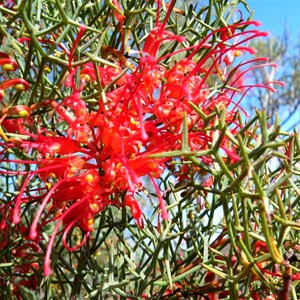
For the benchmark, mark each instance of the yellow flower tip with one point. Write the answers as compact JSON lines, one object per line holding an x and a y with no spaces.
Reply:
{"x":73,"y":169}
{"x":20,"y":87}
{"x":119,"y":166}
{"x":2,"y":94}
{"x":238,"y":53}
{"x":94,"y":207}
{"x":8,"y":67}
{"x":52,"y":175}
{"x":85,"y":77}
{"x":47,"y":69}
{"x":133,"y":121}
{"x":90,"y":221}
{"x":89,"y":178}
{"x":23,"y":113}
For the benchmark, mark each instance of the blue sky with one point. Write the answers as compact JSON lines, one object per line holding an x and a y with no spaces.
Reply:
{"x":275,"y":14}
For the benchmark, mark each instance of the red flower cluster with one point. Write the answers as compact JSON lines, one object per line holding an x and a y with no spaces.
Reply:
{"x":24,"y":265}
{"x":104,"y":153}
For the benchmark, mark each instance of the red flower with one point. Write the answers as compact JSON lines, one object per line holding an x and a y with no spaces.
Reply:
{"x":104,"y":152}
{"x":135,"y":209}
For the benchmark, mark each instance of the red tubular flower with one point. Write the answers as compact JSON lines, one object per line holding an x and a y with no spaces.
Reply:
{"x":50,"y":145}
{"x":158,"y":35}
{"x":117,"y":11}
{"x":164,"y":212}
{"x":18,"y":83}
{"x":29,"y":267}
{"x":131,"y":202}
{"x":21,"y":111}
{"x":82,"y":29}
{"x":8,"y":64}
{"x":21,"y":257}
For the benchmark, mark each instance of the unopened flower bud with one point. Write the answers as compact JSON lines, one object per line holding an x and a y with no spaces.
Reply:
{"x":21,"y":111}
{"x":8,"y":64}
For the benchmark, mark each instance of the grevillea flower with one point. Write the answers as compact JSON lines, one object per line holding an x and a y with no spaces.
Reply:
{"x":21,"y":257}
{"x":104,"y":152}
{"x":19,"y":84}
{"x":25,"y":274}
{"x":8,"y":64}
